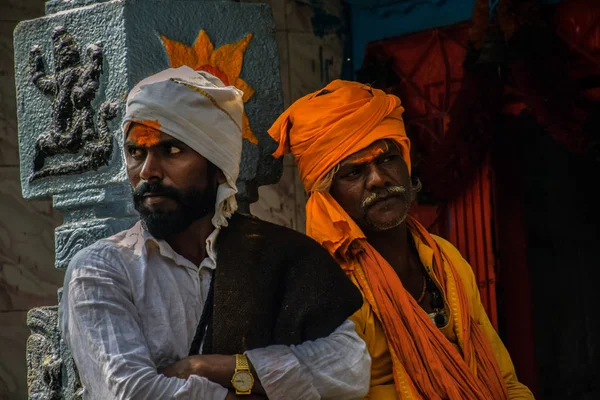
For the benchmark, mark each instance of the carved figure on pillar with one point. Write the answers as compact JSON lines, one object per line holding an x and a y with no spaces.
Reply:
{"x":73,"y":87}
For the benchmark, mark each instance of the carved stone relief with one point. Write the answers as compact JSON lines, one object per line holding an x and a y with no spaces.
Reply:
{"x":72,"y":87}
{"x":44,"y":363}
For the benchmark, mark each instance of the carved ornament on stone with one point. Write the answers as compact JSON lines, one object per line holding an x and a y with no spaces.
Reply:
{"x":72,"y":87}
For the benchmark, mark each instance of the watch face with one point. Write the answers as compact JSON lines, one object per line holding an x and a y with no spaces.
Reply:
{"x":242,"y":381}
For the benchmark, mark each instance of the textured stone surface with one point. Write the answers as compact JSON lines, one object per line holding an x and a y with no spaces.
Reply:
{"x":27,"y":275}
{"x":54,"y":6}
{"x":44,"y":364}
{"x":180,"y":21}
{"x":314,"y":62}
{"x":71,"y":238}
{"x":34,"y":108}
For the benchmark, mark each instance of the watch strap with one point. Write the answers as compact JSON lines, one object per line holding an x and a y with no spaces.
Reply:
{"x":241,"y":363}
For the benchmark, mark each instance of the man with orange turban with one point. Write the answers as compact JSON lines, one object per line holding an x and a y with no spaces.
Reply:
{"x":422,"y":317}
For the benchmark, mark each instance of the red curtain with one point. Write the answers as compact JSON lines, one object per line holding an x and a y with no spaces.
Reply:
{"x":429,"y":65}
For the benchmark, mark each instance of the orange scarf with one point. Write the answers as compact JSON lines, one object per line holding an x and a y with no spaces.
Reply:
{"x":320,"y":130}
{"x":433,"y":367}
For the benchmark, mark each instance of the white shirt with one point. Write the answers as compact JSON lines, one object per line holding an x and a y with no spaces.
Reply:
{"x":131,"y":305}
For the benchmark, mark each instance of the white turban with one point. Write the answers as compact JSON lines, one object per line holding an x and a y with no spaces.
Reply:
{"x":196,"y":108}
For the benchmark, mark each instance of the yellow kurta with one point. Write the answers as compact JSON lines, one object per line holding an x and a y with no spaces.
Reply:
{"x":370,"y":329}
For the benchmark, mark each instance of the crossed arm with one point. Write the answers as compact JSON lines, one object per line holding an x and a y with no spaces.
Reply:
{"x":216,"y":368}
{"x":102,"y":326}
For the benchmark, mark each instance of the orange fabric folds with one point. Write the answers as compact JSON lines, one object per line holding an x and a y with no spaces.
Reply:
{"x":426,"y":362}
{"x":324,"y":127}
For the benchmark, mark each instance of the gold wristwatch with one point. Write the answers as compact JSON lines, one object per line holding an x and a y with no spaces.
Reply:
{"x":242,"y":379}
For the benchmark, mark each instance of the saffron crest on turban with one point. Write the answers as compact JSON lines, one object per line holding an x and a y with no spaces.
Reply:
{"x":196,"y":108}
{"x":323,"y":128}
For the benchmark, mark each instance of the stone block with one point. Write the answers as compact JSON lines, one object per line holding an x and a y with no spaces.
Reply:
{"x":319,"y":18}
{"x":314,"y":62}
{"x":260,"y":67}
{"x":276,"y":203}
{"x":132,"y":35}
{"x":35,"y":109}
{"x":44,"y":362}
{"x":284,"y":66}
{"x":278,"y":10}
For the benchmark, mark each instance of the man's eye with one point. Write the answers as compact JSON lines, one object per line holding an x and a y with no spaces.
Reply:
{"x":353,"y":173}
{"x":173,"y":150}
{"x":387,"y":159}
{"x":135,"y":152}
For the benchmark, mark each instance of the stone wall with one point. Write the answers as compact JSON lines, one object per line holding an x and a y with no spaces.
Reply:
{"x":27,"y":275}
{"x":310,"y":36}
{"x":310,"y":39}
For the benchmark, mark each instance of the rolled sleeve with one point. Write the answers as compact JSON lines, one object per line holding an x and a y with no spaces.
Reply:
{"x":335,"y":367}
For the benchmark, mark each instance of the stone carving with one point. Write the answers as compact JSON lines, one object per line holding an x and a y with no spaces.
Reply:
{"x":49,"y":360}
{"x":73,"y":87}
{"x":69,"y":242}
{"x":71,"y":384}
{"x":44,"y":363}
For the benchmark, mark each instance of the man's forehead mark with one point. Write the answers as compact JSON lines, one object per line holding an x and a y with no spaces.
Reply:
{"x":370,"y":155}
{"x":146,"y":134}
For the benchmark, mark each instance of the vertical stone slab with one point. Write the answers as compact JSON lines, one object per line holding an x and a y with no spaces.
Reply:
{"x":74,"y":68}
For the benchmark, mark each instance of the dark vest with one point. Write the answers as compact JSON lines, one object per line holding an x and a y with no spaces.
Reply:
{"x":273,"y":285}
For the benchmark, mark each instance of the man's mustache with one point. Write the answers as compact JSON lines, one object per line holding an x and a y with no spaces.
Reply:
{"x":392,"y":191}
{"x":156,"y":188}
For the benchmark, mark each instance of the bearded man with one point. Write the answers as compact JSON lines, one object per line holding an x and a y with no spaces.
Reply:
{"x":422,"y":319}
{"x":196,"y":301}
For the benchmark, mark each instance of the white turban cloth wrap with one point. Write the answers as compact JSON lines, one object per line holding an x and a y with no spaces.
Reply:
{"x":196,"y":108}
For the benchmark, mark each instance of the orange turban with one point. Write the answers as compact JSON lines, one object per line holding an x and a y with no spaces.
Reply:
{"x":323,"y":128}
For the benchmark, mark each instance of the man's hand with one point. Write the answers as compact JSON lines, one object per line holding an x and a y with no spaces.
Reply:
{"x":214,"y":367}
{"x":193,"y":365}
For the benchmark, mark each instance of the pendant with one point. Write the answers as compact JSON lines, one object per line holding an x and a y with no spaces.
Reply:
{"x":439,"y":317}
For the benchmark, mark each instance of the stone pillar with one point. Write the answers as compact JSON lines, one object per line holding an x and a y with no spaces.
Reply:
{"x":74,"y":68}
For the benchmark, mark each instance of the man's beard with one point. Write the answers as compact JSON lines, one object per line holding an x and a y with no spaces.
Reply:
{"x":391,"y":191}
{"x":192,"y":204}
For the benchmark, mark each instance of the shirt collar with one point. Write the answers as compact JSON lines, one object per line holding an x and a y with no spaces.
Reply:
{"x":150,"y":243}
